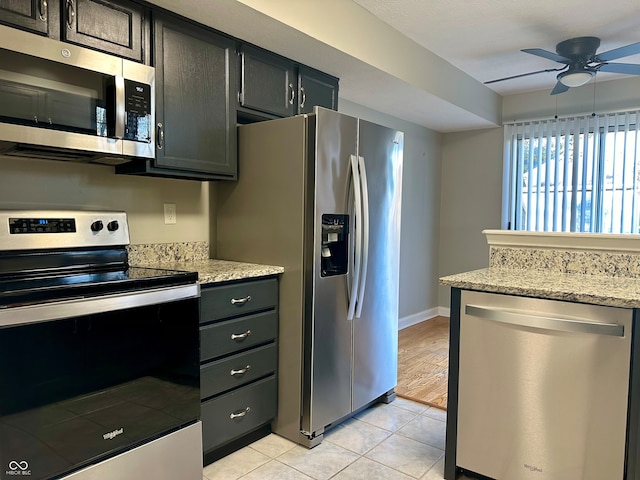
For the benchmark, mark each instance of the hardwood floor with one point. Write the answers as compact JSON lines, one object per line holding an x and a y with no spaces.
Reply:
{"x":423,"y":362}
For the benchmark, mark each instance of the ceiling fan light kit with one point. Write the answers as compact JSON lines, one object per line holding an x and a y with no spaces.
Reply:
{"x":575,"y":79}
{"x":581,"y":62}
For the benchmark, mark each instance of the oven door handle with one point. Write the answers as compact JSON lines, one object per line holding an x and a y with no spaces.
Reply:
{"x":77,"y":307}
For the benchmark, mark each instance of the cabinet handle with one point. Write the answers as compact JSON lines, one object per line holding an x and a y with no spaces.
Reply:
{"x":160,"y":142}
{"x":240,"y":336}
{"x":71,"y":14}
{"x":43,"y":10}
{"x":292,"y":94}
{"x":242,"y":371}
{"x":240,"y":414}
{"x":304,"y":97}
{"x":240,"y":301}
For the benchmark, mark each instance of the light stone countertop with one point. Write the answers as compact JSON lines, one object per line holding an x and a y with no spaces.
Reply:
{"x":572,"y":287}
{"x":216,"y":271}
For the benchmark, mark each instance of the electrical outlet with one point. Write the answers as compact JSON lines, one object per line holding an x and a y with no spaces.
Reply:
{"x":170,"y":216}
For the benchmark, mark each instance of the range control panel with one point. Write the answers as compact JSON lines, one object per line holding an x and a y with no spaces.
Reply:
{"x":41,"y":225}
{"x":28,"y":230}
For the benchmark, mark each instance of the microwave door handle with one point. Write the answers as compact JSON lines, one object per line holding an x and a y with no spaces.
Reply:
{"x":120,"y":107}
{"x":365,"y":234}
{"x":355,"y":177}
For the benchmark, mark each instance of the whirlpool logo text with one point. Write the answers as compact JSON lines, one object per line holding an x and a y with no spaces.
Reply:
{"x":114,"y":434}
{"x":17,"y":468}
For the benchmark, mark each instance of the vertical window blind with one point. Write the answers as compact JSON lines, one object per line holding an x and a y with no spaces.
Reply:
{"x":578,"y":174}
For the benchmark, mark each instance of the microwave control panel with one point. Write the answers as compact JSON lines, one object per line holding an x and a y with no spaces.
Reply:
{"x":137,"y":98}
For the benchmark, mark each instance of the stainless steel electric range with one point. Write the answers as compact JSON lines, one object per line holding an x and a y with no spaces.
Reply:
{"x":99,"y":360}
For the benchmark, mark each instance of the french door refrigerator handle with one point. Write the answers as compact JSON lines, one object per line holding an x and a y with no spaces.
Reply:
{"x":543,"y":322}
{"x":365,"y":235}
{"x":355,"y":176}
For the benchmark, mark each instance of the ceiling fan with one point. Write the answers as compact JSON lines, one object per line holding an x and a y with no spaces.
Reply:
{"x":581,"y":62}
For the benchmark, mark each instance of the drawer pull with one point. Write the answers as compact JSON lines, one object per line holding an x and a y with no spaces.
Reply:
{"x":242,"y":371}
{"x":241,"y":301}
{"x":240,"y":336}
{"x":240,"y":414}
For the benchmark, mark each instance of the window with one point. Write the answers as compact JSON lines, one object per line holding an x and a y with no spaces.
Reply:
{"x":577,"y":174}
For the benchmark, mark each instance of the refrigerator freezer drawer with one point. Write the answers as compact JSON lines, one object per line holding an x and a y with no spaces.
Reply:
{"x":543,"y":388}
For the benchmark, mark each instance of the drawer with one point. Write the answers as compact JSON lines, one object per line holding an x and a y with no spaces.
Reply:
{"x":237,"y":334}
{"x":237,"y":370}
{"x":238,"y":299}
{"x":238,"y":412}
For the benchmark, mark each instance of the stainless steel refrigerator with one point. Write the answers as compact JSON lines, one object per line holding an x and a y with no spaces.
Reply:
{"x":320,"y":194}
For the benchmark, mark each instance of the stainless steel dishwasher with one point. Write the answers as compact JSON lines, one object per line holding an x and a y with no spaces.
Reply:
{"x":543,"y":388}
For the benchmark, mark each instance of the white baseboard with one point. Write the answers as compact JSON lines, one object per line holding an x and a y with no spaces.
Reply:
{"x":416,"y":318}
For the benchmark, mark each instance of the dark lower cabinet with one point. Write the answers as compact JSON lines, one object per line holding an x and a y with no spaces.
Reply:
{"x":238,"y":412}
{"x":238,"y":361}
{"x":195,"y":113}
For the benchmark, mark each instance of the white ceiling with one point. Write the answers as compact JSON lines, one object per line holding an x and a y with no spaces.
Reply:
{"x":484,"y":37}
{"x":479,"y":38}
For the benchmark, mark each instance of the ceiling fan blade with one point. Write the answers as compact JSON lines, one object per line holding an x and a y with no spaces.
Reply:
{"x":632,"y":49}
{"x":628,"y":68}
{"x":546,"y":54}
{"x":525,"y":75}
{"x":559,"y":88}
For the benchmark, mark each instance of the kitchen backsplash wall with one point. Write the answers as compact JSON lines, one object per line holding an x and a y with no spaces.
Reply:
{"x":563,"y":252}
{"x":155,"y":253}
{"x":587,"y":262}
{"x":46,"y":184}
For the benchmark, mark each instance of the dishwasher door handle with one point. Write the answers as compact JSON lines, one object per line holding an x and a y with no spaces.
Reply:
{"x":543,"y":322}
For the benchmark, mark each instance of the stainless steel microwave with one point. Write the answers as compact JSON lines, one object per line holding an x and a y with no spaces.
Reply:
{"x":62,"y":101}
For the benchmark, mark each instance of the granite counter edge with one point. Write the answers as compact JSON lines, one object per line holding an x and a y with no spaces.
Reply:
{"x":570,"y":288}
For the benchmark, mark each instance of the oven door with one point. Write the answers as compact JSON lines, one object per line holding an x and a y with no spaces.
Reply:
{"x":83,"y":380}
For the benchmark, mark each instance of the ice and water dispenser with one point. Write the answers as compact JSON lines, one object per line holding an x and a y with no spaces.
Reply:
{"x":335,"y":249}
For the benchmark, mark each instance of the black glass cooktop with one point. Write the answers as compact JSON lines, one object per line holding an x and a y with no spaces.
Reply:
{"x":52,"y":286}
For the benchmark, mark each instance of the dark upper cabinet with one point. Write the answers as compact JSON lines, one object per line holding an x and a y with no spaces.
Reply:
{"x":272,"y":86}
{"x":118,"y":27}
{"x":38,"y":16}
{"x":195,"y":103}
{"x":113,"y":27}
{"x":316,"y":88}
{"x":268,"y":83}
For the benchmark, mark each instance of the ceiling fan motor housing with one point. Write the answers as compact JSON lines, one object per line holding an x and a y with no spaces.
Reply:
{"x":579,"y":48}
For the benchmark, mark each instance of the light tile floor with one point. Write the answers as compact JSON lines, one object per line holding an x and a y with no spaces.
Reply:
{"x":403,"y":440}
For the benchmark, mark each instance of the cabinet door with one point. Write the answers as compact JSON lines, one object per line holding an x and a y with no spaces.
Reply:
{"x":268,"y":83}
{"x":316,"y":88}
{"x":113,"y":27}
{"x":195,"y":75}
{"x":39,"y":16}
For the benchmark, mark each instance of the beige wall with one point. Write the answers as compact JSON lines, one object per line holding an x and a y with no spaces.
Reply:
{"x":471,"y":200}
{"x":46,"y":184}
{"x":472,"y":168}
